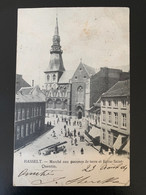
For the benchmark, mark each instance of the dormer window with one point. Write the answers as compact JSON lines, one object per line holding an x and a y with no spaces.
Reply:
{"x":75,"y":77}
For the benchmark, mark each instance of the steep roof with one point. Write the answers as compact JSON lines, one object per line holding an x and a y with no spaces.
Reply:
{"x":20,"y":82}
{"x":30,"y":94}
{"x":66,"y":76}
{"x":90,"y":70}
{"x":121,"y":88}
{"x":56,"y":63}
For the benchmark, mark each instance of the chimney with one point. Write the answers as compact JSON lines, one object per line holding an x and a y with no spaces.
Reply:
{"x":32,"y":83}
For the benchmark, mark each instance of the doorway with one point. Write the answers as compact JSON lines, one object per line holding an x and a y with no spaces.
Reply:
{"x":79,"y":114}
{"x":79,"y":111}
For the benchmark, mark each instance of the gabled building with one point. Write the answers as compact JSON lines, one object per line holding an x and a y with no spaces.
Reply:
{"x":115,"y":117}
{"x":80,"y":96}
{"x":29,"y":115}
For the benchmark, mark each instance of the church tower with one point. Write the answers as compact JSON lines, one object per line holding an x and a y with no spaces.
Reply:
{"x":56,"y":67}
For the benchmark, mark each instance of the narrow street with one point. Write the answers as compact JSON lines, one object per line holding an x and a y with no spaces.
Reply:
{"x":57,"y":134}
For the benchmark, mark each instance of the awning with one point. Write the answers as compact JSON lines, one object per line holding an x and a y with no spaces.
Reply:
{"x":127,"y":147}
{"x":88,"y":139}
{"x":94,"y":132}
{"x":118,"y":142}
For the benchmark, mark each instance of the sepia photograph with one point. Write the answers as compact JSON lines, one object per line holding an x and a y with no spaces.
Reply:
{"x":72,"y":97}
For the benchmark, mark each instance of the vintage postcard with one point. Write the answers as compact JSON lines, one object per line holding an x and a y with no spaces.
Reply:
{"x":72,"y":102}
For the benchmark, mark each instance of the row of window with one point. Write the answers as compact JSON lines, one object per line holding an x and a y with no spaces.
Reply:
{"x":22,"y":114}
{"x":109,"y":119}
{"x":115,"y":103}
{"x":26,"y":130}
{"x":57,"y":94}
{"x":94,"y":118}
{"x":48,"y":77}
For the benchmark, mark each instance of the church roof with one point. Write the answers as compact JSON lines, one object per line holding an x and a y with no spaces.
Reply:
{"x":90,"y":70}
{"x":66,"y":76}
{"x":121,"y":88}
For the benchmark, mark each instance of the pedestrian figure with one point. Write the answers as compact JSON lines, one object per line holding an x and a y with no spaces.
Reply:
{"x":64,"y":127}
{"x":82,"y":138}
{"x":61,"y":131}
{"x":101,"y":150}
{"x":20,"y":153}
{"x":82,"y":151}
{"x":74,"y":132}
{"x":55,"y":148}
{"x":68,"y":132}
{"x":76,"y":142}
{"x":54,"y":135}
{"x":71,"y":135}
{"x":50,"y":123}
{"x":72,"y":143}
{"x":114,"y":151}
{"x":109,"y":151}
{"x":64,"y":150}
{"x":73,"y":152}
{"x":79,"y":133}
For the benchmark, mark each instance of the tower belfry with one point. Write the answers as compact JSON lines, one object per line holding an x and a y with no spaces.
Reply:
{"x":56,"y":67}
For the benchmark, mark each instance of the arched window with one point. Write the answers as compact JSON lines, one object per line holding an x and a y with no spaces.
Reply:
{"x":80,"y":94}
{"x":58,"y":104}
{"x":50,"y":103}
{"x":48,"y":78}
{"x":54,"y":77}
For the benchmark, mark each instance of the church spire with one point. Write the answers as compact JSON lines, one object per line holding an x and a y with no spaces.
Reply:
{"x":56,"y":61}
{"x":56,"y":28}
{"x":56,"y":48}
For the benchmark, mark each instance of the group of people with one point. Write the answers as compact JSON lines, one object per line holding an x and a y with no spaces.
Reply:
{"x":74,"y":135}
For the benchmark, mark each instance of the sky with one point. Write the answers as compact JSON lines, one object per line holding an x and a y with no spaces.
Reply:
{"x":98,"y":36}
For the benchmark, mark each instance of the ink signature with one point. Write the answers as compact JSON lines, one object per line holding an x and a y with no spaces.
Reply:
{"x":26,"y":172}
